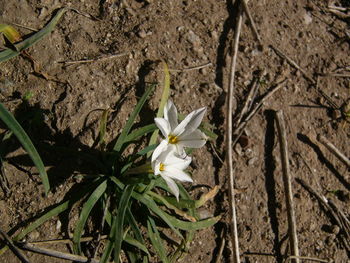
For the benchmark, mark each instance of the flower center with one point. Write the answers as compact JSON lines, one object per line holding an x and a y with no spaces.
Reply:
{"x":172,"y":139}
{"x":161,"y":167}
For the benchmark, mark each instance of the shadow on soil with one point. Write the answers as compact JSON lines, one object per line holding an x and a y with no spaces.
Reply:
{"x":303,"y":138}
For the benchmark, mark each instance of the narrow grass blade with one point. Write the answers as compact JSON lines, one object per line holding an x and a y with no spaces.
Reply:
{"x":103,"y":127}
{"x":121,"y":139}
{"x":123,"y":205}
{"x":132,"y":241}
{"x":8,"y":53}
{"x":163,"y":101}
{"x":156,"y":240}
{"x":140,"y":132}
{"x":85,"y":212}
{"x":110,"y":243}
{"x":151,"y":204}
{"x":27,"y":144}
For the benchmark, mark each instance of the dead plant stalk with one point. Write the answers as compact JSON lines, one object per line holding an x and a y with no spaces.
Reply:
{"x":282,"y":135}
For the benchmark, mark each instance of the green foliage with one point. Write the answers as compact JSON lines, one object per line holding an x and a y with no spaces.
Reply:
{"x":27,"y":144}
{"x":124,"y":189}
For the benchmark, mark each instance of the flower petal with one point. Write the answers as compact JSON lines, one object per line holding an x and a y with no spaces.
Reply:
{"x":158,"y":151}
{"x":178,"y":162}
{"x":177,"y":174}
{"x":163,"y":126}
{"x":195,"y":139}
{"x":190,"y":123}
{"x":170,"y":114}
{"x":173,"y":186}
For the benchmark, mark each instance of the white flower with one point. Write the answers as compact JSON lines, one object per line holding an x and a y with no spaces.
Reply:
{"x":177,"y":136}
{"x":170,"y":166}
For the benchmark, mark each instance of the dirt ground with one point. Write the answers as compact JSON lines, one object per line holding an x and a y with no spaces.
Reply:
{"x":195,"y":38}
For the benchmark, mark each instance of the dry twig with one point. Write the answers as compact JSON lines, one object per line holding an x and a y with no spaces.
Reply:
{"x":333,"y":211}
{"x":233,"y":220}
{"x":192,"y":68}
{"x":282,"y":135}
{"x":330,"y":146}
{"x":293,"y":63}
{"x":101,"y":58}
{"x":251,"y":21}
{"x":14,"y":249}
{"x":307,"y":258}
{"x":222,"y":245}
{"x":56,"y":254}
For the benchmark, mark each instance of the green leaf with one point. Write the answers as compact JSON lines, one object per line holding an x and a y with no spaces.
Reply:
{"x":103,"y":127}
{"x":110,"y":243}
{"x":121,"y":139}
{"x":140,"y":132}
{"x":163,"y":101}
{"x":9,"y":53}
{"x":131,"y":241}
{"x":123,"y":205}
{"x":85,"y":212}
{"x":10,"y":33}
{"x":27,"y":144}
{"x":151,"y":204}
{"x":156,"y":240}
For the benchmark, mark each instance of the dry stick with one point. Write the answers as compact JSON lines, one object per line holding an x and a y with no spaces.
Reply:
{"x":233,"y":223}
{"x":14,"y":249}
{"x":239,"y":130}
{"x":333,"y":150}
{"x":331,"y":74}
{"x":293,"y":63}
{"x":192,"y":68}
{"x":307,"y":258}
{"x":282,"y":135}
{"x":64,"y":241}
{"x":93,"y":60}
{"x":251,"y":21}
{"x":333,"y":212}
{"x":222,"y":245}
{"x":56,"y":254}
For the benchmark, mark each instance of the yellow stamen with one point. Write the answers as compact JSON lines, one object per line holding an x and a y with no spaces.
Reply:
{"x":172,"y":139}
{"x":161,"y":167}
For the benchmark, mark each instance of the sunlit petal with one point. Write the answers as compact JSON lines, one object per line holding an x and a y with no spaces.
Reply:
{"x":158,"y":151}
{"x":170,"y":114}
{"x":177,"y":174}
{"x":173,"y":186}
{"x":163,"y":126}
{"x":195,"y":139}
{"x":195,"y":121}
{"x":178,"y":162}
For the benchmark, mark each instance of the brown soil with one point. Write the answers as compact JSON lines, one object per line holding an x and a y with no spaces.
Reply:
{"x":186,"y":34}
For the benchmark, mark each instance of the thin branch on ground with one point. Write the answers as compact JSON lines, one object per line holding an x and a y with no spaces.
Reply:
{"x":99,"y":59}
{"x":64,"y":241}
{"x":333,"y":211}
{"x":222,"y":245}
{"x":241,"y":126}
{"x":251,"y":21}
{"x":229,"y":146}
{"x":307,"y":258}
{"x":333,"y":74}
{"x":216,"y":152}
{"x":292,"y":231}
{"x":56,"y":254}
{"x":293,"y":63}
{"x":192,"y":68}
{"x":13,"y":247}
{"x":330,"y":146}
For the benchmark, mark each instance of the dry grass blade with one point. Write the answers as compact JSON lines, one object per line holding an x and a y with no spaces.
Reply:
{"x":251,"y":21}
{"x":307,"y":258}
{"x":333,"y":211}
{"x":101,"y":58}
{"x":14,"y":249}
{"x":192,"y":68}
{"x":229,"y":146}
{"x":293,"y":63}
{"x":333,"y":150}
{"x":222,"y":246}
{"x":56,"y":254}
{"x":292,"y":231}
